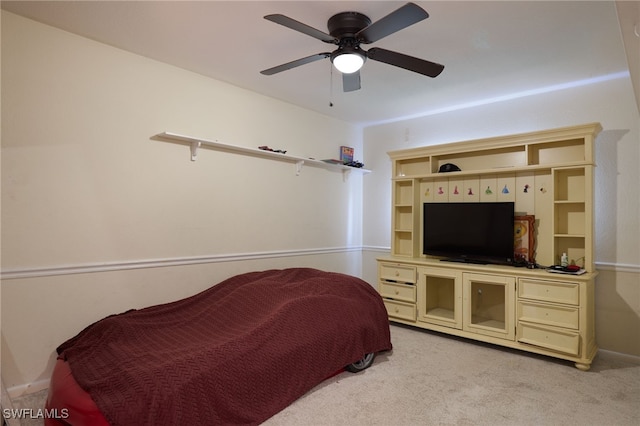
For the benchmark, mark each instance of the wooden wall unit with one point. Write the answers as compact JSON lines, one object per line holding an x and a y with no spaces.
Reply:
{"x":548,"y":174}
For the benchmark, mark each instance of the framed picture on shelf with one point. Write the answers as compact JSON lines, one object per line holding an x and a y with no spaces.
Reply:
{"x":524,"y":238}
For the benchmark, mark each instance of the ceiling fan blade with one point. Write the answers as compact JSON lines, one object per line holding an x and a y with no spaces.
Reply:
{"x":351,"y":82}
{"x":421,"y":66}
{"x":300,"y":27}
{"x":401,"y":18}
{"x":296,"y":63}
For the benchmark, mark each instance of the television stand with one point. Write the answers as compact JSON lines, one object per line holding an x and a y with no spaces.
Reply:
{"x":520,"y":308}
{"x":547,"y":174}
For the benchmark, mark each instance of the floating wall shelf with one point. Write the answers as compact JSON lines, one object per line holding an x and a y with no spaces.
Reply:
{"x":196,"y":144}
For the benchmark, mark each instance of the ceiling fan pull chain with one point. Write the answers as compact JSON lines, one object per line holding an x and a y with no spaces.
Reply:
{"x":330,"y":85}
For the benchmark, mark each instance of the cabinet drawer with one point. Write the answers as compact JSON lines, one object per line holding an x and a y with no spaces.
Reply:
{"x":401,"y":273}
{"x":549,"y":291}
{"x":559,"y":316}
{"x":398,"y":291}
{"x":400,"y":310}
{"x":551,"y":338}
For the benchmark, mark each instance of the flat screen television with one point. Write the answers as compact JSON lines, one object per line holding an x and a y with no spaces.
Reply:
{"x":469,"y":232}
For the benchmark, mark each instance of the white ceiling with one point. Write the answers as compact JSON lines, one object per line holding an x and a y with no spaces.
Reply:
{"x":491,"y":50}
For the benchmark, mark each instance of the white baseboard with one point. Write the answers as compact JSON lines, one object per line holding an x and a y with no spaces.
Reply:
{"x":28,"y":388}
{"x":627,"y":357}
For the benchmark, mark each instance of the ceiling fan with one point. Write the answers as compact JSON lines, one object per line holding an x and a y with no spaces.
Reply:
{"x":348,"y":30}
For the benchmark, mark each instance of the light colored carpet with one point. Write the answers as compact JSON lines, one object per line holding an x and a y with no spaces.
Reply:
{"x":432,"y":379}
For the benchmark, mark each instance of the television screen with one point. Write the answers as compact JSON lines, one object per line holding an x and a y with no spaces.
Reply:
{"x":469,"y":232}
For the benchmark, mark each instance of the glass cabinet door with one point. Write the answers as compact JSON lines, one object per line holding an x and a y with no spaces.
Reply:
{"x":489,"y":305}
{"x":440,"y":297}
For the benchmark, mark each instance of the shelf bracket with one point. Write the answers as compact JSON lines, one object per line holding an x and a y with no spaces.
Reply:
{"x":299,"y":165}
{"x":194,"y":149}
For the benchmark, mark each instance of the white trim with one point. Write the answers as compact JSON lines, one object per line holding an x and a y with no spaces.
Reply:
{"x":217,"y":258}
{"x":618,"y":267}
{"x":380,"y":249}
{"x":626,"y":357}
{"x":28,"y":388}
{"x":160,"y":263}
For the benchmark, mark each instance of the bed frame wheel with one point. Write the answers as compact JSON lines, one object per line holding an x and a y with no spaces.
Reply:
{"x":362,"y":364}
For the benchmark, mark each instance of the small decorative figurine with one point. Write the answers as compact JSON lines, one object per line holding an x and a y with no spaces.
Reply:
{"x":266,"y":148}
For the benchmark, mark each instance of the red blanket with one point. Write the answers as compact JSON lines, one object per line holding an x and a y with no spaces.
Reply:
{"x":236,"y":353}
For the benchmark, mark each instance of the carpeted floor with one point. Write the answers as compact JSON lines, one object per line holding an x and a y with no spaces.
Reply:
{"x":432,"y":379}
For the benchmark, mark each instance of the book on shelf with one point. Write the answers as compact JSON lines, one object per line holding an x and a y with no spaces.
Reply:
{"x":346,"y":154}
{"x":564,"y":270}
{"x":333,"y":161}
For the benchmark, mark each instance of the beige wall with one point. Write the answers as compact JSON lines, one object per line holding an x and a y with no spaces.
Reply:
{"x":609,"y":101}
{"x":40,"y":313}
{"x":97,"y":218}
{"x":85,"y":189}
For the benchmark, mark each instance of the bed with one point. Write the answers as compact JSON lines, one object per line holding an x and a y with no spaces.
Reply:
{"x":236,"y":353}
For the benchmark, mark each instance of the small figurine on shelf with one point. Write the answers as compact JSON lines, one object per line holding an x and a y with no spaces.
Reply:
{"x":356,"y":164}
{"x":266,"y":148}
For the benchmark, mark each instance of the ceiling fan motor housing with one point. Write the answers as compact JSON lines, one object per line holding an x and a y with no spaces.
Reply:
{"x":347,"y":24}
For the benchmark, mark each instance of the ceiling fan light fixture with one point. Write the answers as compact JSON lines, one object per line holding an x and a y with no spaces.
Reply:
{"x":348,"y":61}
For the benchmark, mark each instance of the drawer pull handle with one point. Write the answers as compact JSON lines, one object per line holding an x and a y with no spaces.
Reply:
{"x":397,"y":291}
{"x":397,"y":310}
{"x":397,"y":273}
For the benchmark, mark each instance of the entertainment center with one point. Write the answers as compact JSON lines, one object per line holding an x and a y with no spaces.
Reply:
{"x":547,"y":177}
